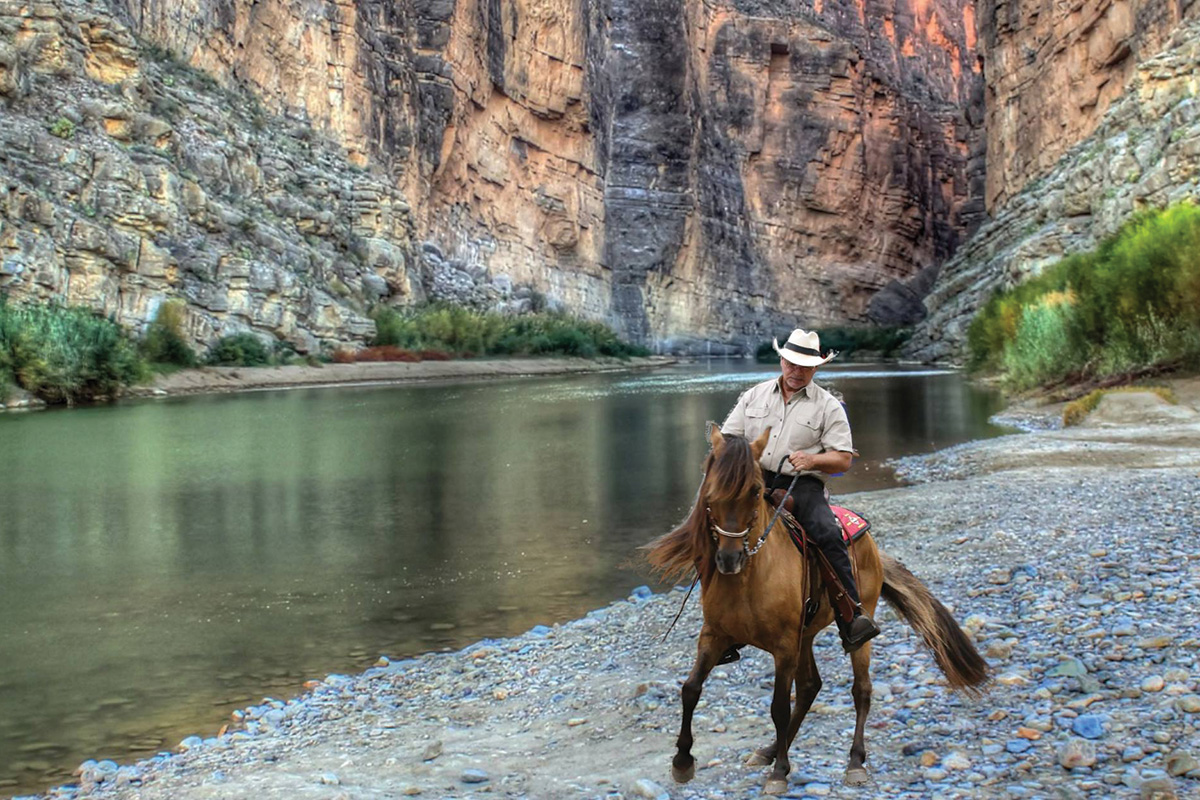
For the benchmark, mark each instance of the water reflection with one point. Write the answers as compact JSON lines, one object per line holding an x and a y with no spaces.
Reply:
{"x":164,"y":562}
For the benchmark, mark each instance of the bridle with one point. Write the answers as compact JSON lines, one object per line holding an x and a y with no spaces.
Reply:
{"x":716,"y":531}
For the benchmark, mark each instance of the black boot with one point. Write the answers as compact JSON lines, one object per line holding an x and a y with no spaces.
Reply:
{"x":858,"y":631}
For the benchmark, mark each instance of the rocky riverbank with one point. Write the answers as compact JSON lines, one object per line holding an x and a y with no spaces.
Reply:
{"x":1068,"y":555}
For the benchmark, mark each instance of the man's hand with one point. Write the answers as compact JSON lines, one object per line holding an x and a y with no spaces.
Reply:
{"x":802,"y":461}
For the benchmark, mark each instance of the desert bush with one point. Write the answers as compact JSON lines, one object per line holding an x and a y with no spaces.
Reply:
{"x":65,"y":354}
{"x":457,"y":330}
{"x":164,"y":342}
{"x":239,"y":350}
{"x":1132,"y":303}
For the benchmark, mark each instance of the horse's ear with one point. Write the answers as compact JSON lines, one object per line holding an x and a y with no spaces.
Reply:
{"x":714,"y":437}
{"x":760,"y":444}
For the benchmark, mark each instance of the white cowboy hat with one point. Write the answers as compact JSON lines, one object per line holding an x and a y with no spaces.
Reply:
{"x":803,"y":348}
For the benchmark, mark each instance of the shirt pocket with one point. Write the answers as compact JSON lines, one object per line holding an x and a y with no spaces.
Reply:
{"x":757,"y":412}
{"x":805,"y":435}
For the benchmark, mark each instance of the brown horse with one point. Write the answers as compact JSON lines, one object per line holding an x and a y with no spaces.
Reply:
{"x":758,"y":598}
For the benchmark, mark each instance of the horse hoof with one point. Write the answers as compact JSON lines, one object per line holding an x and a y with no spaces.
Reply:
{"x":683,"y":775}
{"x":757,"y":759}
{"x":857,"y":776}
{"x":775,"y":786}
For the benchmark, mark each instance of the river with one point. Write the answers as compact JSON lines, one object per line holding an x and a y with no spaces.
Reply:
{"x":165,"y":562}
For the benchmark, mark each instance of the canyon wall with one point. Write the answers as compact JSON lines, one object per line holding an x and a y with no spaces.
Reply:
{"x":1093,"y":113}
{"x":698,"y":174}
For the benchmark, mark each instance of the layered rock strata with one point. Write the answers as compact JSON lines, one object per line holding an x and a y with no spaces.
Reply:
{"x":694,"y":173}
{"x":1053,"y":70}
{"x":127,"y":178}
{"x":1144,"y":153}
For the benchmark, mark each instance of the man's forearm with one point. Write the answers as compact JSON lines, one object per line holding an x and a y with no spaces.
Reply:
{"x":830,"y":463}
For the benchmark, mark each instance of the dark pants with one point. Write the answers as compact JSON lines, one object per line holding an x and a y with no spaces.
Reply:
{"x":812,"y":511}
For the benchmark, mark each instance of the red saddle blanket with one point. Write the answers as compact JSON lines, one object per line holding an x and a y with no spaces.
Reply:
{"x":853,"y":525}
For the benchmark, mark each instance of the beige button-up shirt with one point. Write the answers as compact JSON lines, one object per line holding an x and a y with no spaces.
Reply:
{"x":813,"y":421}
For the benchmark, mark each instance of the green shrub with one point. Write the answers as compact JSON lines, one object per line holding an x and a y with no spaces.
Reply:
{"x":460,"y":330}
{"x":63,"y":128}
{"x":239,"y":350}
{"x":65,"y":355}
{"x":1132,"y":303}
{"x":164,"y":342}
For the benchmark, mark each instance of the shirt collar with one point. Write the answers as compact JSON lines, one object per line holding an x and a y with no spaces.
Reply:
{"x":807,"y":391}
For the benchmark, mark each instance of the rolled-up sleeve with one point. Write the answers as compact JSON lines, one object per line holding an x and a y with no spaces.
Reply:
{"x":735,"y":423}
{"x":836,"y":435}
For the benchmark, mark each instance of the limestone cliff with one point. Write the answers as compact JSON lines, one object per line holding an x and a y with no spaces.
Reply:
{"x":1054,"y":69}
{"x":696,"y":173}
{"x":1060,"y":189}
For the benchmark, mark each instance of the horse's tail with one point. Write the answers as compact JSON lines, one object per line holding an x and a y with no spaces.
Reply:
{"x":964,"y":668}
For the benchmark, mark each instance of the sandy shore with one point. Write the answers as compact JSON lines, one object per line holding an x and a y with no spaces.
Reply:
{"x":1070,"y":557}
{"x":244,"y":379}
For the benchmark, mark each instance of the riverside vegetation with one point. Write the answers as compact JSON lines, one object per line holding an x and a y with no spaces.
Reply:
{"x":71,"y":355}
{"x":1128,"y":308}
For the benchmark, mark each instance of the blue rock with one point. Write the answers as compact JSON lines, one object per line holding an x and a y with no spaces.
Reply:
{"x":1089,"y":726}
{"x":475,"y":776}
{"x":1025,"y":569}
{"x":108,"y":766}
{"x":1017,"y":745}
{"x":540,"y":631}
{"x":902,"y":715}
{"x":641,"y":593}
{"x":991,"y":749}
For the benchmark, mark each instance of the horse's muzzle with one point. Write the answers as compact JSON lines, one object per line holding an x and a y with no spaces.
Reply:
{"x":730,"y":562}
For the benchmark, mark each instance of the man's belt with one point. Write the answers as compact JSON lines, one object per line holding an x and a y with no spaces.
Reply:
{"x":780,"y":480}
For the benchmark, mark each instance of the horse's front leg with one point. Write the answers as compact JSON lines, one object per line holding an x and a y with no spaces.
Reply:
{"x":708,"y":651}
{"x":781,"y":715}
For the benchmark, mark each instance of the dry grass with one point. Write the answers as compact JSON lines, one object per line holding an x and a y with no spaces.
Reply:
{"x":1076,"y":411}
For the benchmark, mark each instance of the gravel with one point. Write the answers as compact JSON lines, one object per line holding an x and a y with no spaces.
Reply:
{"x":1070,"y":559}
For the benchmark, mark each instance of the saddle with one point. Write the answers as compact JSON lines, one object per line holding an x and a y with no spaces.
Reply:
{"x":853,"y":527}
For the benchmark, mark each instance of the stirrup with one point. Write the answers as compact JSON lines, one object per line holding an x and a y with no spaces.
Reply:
{"x":860,"y":631}
{"x":731,"y":655}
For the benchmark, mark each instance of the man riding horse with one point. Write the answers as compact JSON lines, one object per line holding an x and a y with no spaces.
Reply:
{"x":810,"y":437}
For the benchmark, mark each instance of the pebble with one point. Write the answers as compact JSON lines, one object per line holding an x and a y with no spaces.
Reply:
{"x":648,"y":789}
{"x":1154,"y":683}
{"x":956,"y":761}
{"x":1077,"y":753}
{"x":1157,"y":789}
{"x":1181,"y":763}
{"x":330,"y":779}
{"x":474,"y":776}
{"x":1088,"y":726}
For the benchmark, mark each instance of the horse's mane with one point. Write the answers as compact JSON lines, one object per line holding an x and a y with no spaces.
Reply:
{"x":731,"y":473}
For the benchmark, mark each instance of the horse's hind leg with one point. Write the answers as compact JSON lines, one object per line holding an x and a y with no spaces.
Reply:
{"x":808,"y":685}
{"x":708,"y":650}
{"x":856,"y":773}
